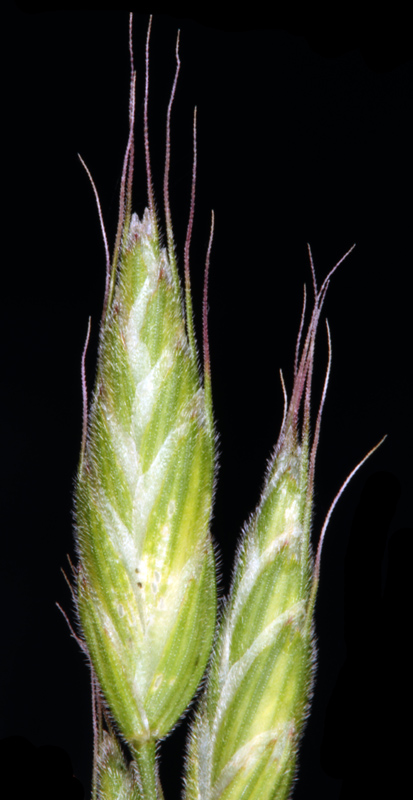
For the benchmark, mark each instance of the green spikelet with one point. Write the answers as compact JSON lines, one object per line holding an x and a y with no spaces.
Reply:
{"x":245,"y":737}
{"x":117,"y":780}
{"x":146,"y":588}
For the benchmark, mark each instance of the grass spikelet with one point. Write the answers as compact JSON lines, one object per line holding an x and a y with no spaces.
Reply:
{"x":245,"y":737}
{"x":116,"y":779}
{"x":146,"y":588}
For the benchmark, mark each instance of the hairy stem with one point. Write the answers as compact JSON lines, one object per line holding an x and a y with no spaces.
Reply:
{"x":145,"y":757}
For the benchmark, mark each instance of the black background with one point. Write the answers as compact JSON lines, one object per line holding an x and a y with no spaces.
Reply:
{"x":305,"y":129}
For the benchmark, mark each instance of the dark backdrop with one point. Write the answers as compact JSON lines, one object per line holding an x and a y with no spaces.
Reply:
{"x":304,"y":134}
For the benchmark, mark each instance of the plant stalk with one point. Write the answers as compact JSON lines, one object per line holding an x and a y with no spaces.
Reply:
{"x":145,"y":757}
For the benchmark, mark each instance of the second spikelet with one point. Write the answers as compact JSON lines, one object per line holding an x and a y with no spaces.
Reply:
{"x":245,"y":737}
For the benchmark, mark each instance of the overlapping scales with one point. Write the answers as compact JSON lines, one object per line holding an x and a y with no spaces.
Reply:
{"x":146,"y":581}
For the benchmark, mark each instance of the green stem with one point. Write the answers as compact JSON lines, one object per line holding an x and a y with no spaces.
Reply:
{"x":145,"y":757}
